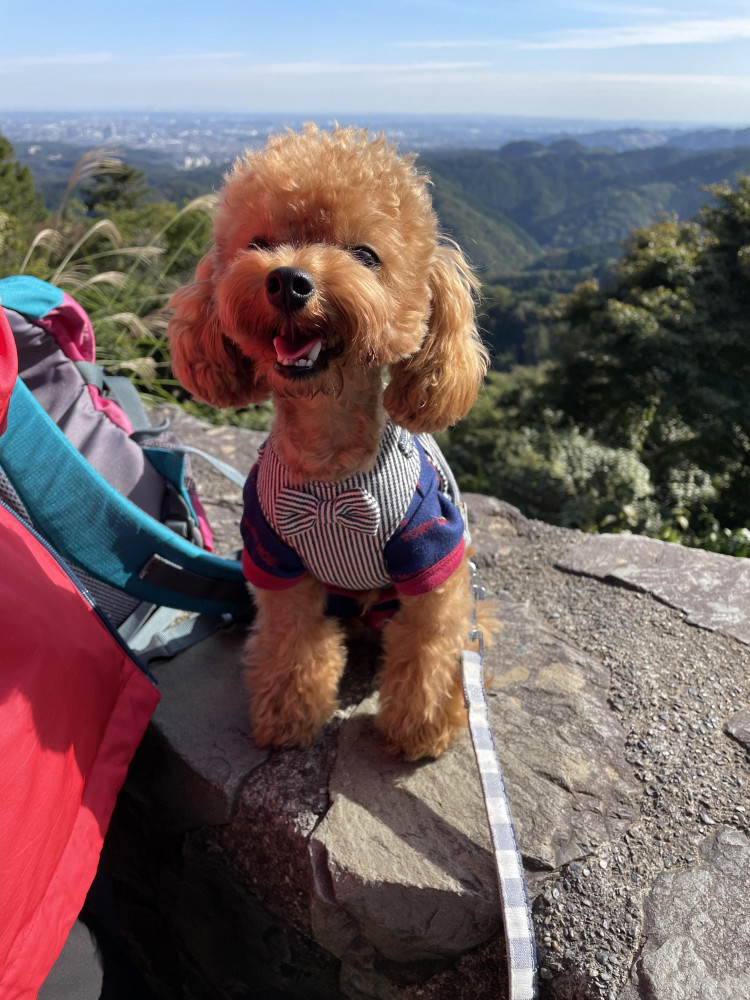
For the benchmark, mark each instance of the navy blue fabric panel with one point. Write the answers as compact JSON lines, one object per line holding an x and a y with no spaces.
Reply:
{"x":432,"y":529}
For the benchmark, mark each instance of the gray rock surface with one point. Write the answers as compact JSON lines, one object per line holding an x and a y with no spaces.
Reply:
{"x":77,"y":974}
{"x":424,"y":891}
{"x":738,"y":726}
{"x":619,"y":725}
{"x":201,"y":722}
{"x":713,"y":590}
{"x":692,"y":917}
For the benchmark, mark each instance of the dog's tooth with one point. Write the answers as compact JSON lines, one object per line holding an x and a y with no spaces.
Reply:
{"x":313,"y":355}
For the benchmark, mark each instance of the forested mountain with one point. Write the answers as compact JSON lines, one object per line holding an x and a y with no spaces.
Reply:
{"x":566,"y":196}
{"x":494,"y":241}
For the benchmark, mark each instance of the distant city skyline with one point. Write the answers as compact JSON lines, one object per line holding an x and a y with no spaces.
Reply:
{"x":613,"y":61}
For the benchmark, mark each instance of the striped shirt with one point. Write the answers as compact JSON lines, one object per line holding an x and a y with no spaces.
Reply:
{"x":398,"y":524}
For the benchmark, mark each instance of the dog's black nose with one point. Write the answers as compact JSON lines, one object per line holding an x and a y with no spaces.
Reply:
{"x":289,"y":288}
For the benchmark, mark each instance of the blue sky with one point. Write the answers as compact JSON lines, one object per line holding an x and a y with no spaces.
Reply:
{"x":667,"y":62}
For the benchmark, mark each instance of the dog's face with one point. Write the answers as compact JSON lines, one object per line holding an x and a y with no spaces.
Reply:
{"x":325,"y":258}
{"x":323,"y":248}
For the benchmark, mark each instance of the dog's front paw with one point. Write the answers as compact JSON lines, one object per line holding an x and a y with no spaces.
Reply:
{"x":292,"y":682}
{"x":413,"y":738}
{"x":281,"y":719}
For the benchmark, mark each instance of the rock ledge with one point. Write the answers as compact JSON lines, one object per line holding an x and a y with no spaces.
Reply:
{"x":622,"y":730}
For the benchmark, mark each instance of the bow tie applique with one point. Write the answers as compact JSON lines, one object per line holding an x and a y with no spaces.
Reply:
{"x":298,"y":512}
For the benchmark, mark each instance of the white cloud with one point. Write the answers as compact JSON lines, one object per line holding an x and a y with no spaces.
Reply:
{"x":338,"y":88}
{"x":692,"y":80}
{"x":698,"y":32}
{"x":683,"y":32}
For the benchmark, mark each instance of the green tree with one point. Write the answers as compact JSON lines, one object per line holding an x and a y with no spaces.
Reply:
{"x":640,"y":418}
{"x":125,"y":188}
{"x":20,"y":207}
{"x":657,"y":361}
{"x":516,"y":447}
{"x":513,"y":327}
{"x":18,"y":196}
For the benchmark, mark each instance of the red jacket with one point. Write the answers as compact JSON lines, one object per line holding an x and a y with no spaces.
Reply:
{"x":73,"y":708}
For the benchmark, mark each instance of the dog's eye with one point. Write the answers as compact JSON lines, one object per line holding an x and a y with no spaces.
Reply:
{"x":365,"y":255}
{"x":258,"y":244}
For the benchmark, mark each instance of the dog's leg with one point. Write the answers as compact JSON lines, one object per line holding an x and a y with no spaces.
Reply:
{"x":295,"y":657}
{"x":421,"y":700}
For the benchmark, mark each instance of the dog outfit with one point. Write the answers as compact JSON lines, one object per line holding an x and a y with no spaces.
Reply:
{"x":399,"y":525}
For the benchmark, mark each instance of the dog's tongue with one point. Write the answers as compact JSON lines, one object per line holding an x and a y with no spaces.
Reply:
{"x":287,"y":351}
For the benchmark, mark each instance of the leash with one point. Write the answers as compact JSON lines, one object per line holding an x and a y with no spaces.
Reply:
{"x":519,"y":930}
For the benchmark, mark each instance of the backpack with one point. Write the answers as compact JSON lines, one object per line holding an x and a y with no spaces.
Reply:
{"x":113,"y":495}
{"x":74,"y":703}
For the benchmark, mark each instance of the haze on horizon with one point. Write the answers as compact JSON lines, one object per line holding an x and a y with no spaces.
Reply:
{"x":591,"y":59}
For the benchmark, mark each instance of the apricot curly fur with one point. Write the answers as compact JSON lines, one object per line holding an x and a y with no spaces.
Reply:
{"x":295,"y":657}
{"x":310,"y":201}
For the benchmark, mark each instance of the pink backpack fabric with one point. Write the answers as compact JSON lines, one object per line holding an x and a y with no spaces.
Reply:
{"x":8,"y":369}
{"x":74,"y":704}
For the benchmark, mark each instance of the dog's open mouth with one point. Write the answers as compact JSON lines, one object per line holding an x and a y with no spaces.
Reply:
{"x":295,"y":360}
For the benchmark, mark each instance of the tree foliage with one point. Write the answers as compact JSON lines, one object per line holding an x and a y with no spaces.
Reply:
{"x":18,"y":195}
{"x":660,"y":362}
{"x":640,"y":420}
{"x":122,"y":189}
{"x":20,"y":206}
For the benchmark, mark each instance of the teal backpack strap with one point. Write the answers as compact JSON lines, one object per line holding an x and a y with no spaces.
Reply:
{"x":96,"y":528}
{"x":228,"y":471}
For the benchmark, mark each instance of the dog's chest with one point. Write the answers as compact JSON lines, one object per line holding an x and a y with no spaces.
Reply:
{"x":340,"y":529}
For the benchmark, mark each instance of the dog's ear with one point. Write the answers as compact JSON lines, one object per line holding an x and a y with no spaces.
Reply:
{"x":204,"y":359}
{"x":438,"y":385}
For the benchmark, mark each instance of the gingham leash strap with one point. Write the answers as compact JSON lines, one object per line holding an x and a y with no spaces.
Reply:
{"x":519,"y":929}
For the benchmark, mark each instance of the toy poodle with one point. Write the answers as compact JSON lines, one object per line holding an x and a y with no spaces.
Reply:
{"x":329,"y":289}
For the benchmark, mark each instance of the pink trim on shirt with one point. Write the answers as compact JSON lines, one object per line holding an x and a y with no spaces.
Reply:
{"x":432,"y":577}
{"x":266,"y":581}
